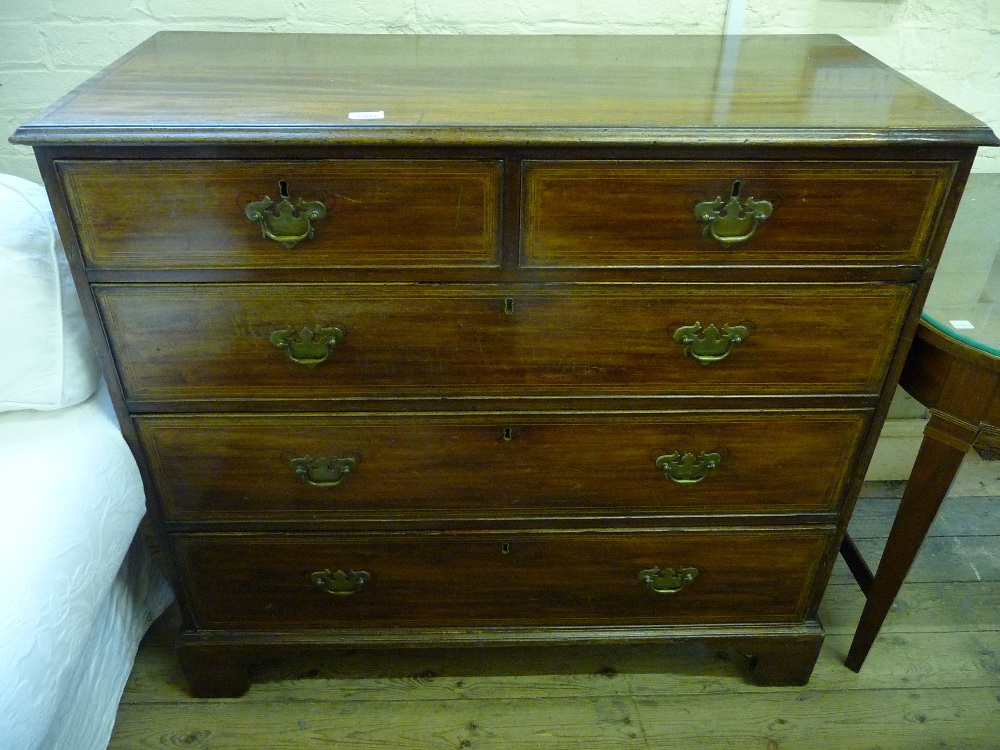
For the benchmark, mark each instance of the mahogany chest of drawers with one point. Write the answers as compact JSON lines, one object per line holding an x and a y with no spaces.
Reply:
{"x":490,"y":340}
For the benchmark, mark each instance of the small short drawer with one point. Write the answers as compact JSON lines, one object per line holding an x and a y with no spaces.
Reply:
{"x":297,"y":469}
{"x":326,"y":341}
{"x":645,"y":213}
{"x":480,"y":579}
{"x":213,"y":214}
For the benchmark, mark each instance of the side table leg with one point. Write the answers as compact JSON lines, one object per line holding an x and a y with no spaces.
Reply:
{"x":937,"y":463}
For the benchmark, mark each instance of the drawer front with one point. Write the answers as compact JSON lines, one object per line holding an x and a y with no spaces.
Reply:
{"x":190,"y":342}
{"x":302,"y":468}
{"x":587,"y":214}
{"x":193,"y":214}
{"x":313,"y":581}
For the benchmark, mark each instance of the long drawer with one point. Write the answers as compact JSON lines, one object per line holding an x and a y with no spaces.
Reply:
{"x":667,"y":577}
{"x":648,"y":213}
{"x":190,"y":342}
{"x":214,"y":214}
{"x":289,"y":468}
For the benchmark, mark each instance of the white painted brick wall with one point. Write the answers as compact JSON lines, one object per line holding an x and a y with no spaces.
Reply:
{"x":49,"y":46}
{"x":84,"y":10}
{"x":571,"y":16}
{"x":84,"y":46}
{"x":358,"y":16}
{"x":257,"y":12}
{"x":25,"y":10}
{"x":22,"y":45}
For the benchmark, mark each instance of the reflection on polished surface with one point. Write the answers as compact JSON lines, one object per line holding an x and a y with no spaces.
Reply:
{"x":964,"y":300}
{"x":787,"y":88}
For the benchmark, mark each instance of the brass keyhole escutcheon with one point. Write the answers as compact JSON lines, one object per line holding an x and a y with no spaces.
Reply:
{"x":508,"y":306}
{"x":505,"y":548}
{"x":508,"y":434}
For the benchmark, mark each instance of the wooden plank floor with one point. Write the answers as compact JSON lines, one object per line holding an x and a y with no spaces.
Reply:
{"x":931,"y":681}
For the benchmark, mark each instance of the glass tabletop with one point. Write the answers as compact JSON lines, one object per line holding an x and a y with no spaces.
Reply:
{"x":964,"y":300}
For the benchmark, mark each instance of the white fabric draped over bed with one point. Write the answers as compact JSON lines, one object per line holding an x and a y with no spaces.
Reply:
{"x":77,"y":588}
{"x":72,"y":613}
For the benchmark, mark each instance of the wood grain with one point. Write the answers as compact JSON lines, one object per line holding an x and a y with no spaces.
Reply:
{"x":628,"y":214}
{"x":910,"y":718}
{"x":381,"y":213}
{"x":761,"y":721}
{"x":959,"y":516}
{"x":921,"y":607}
{"x":468,"y":579}
{"x":213,"y":469}
{"x":903,"y":659}
{"x":599,"y":725}
{"x":955,"y":559}
{"x":459,"y":341}
{"x":300,"y":88}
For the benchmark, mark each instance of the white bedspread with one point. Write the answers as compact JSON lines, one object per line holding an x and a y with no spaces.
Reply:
{"x":70,"y":614}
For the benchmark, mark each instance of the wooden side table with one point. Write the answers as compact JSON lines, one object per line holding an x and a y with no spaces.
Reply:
{"x":957,"y":377}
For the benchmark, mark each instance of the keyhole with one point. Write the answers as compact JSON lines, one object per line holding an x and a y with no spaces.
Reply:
{"x":505,"y":549}
{"x":508,"y":305}
{"x":737,"y":187}
{"x":508,"y":434}
{"x":283,"y":188}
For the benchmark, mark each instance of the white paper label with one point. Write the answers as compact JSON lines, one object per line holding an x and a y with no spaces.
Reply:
{"x":961,"y":325}
{"x":380,"y":115}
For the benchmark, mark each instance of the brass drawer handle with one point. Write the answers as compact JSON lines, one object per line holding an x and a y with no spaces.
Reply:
{"x":340,"y":583}
{"x":708,"y":345}
{"x":688,"y":468}
{"x":729,"y":221}
{"x":324,"y":472}
{"x":286,"y":222}
{"x":306,"y":346}
{"x":667,"y":581}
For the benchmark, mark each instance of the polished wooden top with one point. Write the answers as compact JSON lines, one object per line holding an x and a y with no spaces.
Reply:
{"x":198,"y":87}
